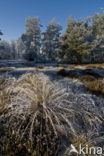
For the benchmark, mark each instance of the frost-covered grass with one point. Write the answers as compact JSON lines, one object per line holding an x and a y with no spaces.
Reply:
{"x":41,"y":117}
{"x":97,"y":65}
{"x":85,"y":66}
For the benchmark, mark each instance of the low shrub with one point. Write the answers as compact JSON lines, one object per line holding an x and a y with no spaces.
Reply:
{"x":65,"y":73}
{"x":62,"y":72}
{"x":87,"y":78}
{"x":40,"y":67}
{"x":96,"y":87}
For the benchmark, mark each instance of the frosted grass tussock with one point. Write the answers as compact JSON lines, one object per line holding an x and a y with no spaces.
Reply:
{"x":38,"y":113}
{"x":35,"y":94}
{"x":35,"y":117}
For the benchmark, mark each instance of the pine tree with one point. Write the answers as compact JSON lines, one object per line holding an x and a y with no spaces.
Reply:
{"x":32,"y":37}
{"x":51,"y":41}
{"x":97,"y":55}
{"x":21,"y":48}
{"x":98,"y":24}
{"x":77,"y":40}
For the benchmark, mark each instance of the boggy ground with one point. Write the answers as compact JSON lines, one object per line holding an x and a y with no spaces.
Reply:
{"x":43,"y":112}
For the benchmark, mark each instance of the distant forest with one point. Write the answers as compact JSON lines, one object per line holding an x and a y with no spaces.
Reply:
{"x":82,"y":41}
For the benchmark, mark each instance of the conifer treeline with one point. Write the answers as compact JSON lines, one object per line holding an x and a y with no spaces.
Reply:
{"x":82,"y":41}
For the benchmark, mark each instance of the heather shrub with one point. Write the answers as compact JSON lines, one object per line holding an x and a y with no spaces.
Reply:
{"x":40,"y":66}
{"x":87,"y":78}
{"x":96,"y":87}
{"x":65,"y":73}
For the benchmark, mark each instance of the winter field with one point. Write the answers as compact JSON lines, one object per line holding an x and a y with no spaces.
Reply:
{"x":47,"y":108}
{"x":52,"y":78}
